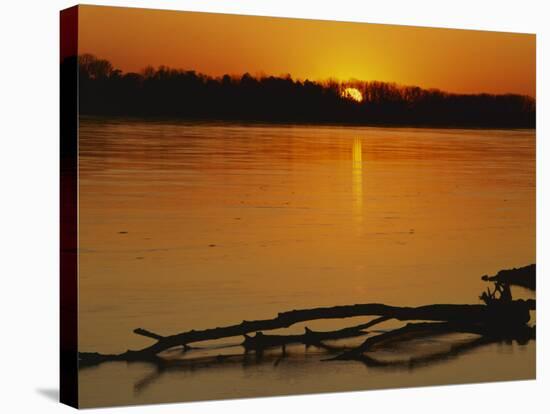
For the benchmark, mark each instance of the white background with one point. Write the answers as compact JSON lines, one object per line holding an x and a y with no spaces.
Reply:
{"x":29,"y":205}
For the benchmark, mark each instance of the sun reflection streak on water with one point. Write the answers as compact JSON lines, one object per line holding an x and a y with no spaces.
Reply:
{"x":357,"y":181}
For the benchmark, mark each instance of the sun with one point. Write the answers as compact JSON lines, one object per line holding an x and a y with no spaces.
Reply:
{"x":352,"y":93}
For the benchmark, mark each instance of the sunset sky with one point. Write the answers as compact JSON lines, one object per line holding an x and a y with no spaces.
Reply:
{"x":215,"y":44}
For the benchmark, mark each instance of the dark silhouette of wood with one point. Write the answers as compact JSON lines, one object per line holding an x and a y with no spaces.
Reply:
{"x":407,"y":332}
{"x":425,"y":360}
{"x":524,"y":276}
{"x":148,"y":334}
{"x":500,"y":317}
{"x":522,"y":336}
{"x":496,"y":317}
{"x":368,"y":358}
{"x":261,"y":341}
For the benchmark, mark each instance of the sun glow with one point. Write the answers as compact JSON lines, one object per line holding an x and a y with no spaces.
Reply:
{"x":352,"y":93}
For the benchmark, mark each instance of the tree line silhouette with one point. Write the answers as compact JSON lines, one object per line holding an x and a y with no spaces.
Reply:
{"x":186,"y":94}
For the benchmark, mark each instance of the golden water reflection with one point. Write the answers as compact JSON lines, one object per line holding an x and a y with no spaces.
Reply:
{"x":195,"y":225}
{"x":357,"y":181}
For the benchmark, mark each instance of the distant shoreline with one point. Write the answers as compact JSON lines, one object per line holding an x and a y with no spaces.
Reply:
{"x":189,"y":95}
{"x":259,"y":122}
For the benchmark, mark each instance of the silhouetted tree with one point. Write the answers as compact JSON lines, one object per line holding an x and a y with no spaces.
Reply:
{"x":167,"y":92}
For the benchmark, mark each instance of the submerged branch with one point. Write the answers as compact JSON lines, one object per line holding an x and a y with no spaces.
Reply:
{"x":424,"y":360}
{"x":407,"y":332}
{"x":497,"y":317}
{"x":368,"y":358}
{"x":261,"y":341}
{"x":500,"y":319}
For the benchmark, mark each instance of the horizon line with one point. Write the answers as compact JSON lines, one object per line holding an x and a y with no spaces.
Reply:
{"x":259,"y":74}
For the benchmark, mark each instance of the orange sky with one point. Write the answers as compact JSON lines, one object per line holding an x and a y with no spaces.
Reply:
{"x":215,"y":44}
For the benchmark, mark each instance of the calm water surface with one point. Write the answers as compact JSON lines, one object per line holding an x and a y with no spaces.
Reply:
{"x":196,"y":225}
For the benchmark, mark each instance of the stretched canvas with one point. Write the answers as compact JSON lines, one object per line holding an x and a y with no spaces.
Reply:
{"x":256,"y":206}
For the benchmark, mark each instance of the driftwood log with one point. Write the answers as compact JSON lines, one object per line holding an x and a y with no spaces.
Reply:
{"x":523,"y":276}
{"x":497,"y":318}
{"x":368,"y":358}
{"x":261,"y":341}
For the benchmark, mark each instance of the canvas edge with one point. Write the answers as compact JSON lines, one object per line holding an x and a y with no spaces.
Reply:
{"x":68,"y":106}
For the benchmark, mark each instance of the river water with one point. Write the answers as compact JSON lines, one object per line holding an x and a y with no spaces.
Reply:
{"x":191,"y":225}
